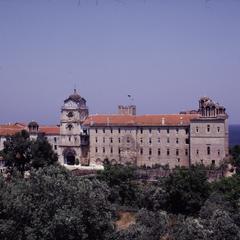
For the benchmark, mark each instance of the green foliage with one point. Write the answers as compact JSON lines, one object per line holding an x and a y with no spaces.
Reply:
{"x":53,"y":204}
{"x":190,"y":229}
{"x":42,"y":153}
{"x":22,"y":154}
{"x":149,"y":226}
{"x":235,"y":152}
{"x":223,"y":227}
{"x":17,"y":151}
{"x":216,"y":201}
{"x":230,"y":188}
{"x":186,"y":190}
{"x":152,"y":196}
{"x":120,"y":180}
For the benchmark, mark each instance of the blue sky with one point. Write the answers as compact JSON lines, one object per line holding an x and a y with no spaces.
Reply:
{"x":165,"y":53}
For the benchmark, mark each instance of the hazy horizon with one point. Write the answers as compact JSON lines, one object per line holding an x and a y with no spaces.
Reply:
{"x":165,"y":53}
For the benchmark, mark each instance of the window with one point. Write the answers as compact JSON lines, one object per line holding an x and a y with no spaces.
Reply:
{"x":219,"y":152}
{"x":111,"y":130}
{"x":141,"y":140}
{"x":186,"y":152}
{"x":177,"y":141}
{"x":150,"y":151}
{"x":186,"y":131}
{"x":96,"y":130}
{"x":168,"y":152}
{"x":159,"y":152}
{"x":150,"y":130}
{"x":119,"y":151}
{"x":111,"y":140}
{"x":187,"y":141}
{"x":119,"y":140}
{"x":111,"y":150}
{"x":208,"y":128}
{"x":159,"y":140}
{"x":168,"y":131}
{"x":208,"y":150}
{"x":69,"y":127}
{"x":55,"y":147}
{"x":141,"y":130}
{"x":119,"y":130}
{"x":103,"y":149}
{"x":103,"y":139}
{"x":197,"y":129}
{"x":213,"y":162}
{"x":178,"y":159}
{"x":69,"y":139}
{"x":55,"y":139}
{"x":103,"y":130}
{"x":177,"y":130}
{"x":177,"y":152}
{"x":159,"y":130}
{"x":141,"y":151}
{"x":218,"y":129}
{"x":197,"y":152}
{"x":96,"y":139}
{"x":128,"y":140}
{"x":96,"y":149}
{"x":168,"y":140}
{"x":150,"y":141}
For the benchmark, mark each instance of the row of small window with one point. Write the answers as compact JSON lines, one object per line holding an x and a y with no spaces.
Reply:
{"x":208,"y":129}
{"x":208,"y":151}
{"x":141,"y":130}
{"x":141,"y":151}
{"x":70,"y":139}
{"x":141,"y":140}
{"x":159,"y":152}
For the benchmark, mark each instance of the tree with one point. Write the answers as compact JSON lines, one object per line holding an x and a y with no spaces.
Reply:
{"x":149,"y":226}
{"x":17,"y":151}
{"x":230,"y":188}
{"x":120,"y":180}
{"x":235,"y":152}
{"x":189,"y":229}
{"x":21,"y":153}
{"x":186,"y":190}
{"x":53,"y":204}
{"x":42,"y":153}
{"x":223,"y":227}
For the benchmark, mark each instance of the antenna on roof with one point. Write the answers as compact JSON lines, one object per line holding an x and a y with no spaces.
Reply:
{"x":131,"y":99}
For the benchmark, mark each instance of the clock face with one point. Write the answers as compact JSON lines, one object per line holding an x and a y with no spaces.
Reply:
{"x":70,"y":114}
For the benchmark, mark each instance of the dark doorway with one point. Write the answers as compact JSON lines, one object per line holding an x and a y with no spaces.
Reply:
{"x":69,"y":157}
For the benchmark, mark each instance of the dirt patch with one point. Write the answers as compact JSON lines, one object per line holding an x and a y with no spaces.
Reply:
{"x":125,"y":220}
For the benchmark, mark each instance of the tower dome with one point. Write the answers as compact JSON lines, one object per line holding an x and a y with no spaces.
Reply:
{"x":33,"y":127}
{"x":75,"y":96}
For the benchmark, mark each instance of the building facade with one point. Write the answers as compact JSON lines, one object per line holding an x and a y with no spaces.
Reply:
{"x":83,"y":140}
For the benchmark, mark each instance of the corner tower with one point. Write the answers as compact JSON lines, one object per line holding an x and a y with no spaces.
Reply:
{"x":209,"y":134}
{"x":73,"y":138}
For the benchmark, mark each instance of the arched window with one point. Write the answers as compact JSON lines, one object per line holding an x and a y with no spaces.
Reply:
{"x":208,"y":150}
{"x":69,"y":127}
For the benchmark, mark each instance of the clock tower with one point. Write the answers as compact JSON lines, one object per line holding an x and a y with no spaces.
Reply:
{"x":73,"y":145}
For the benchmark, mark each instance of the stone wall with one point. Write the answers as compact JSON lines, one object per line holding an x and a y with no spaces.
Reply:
{"x":141,"y":145}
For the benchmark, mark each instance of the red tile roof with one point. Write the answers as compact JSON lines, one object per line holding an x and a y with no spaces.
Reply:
{"x":144,"y":120}
{"x":50,"y":130}
{"x":11,"y":129}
